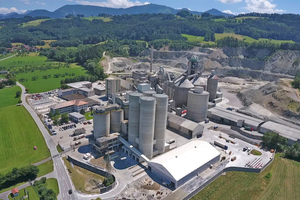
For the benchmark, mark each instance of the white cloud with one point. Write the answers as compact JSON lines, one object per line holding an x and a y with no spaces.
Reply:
{"x":40,"y":3}
{"x":228,"y":12}
{"x":230,"y":1}
{"x":25,"y":1}
{"x":262,"y":6}
{"x":10,"y":10}
{"x":113,"y":3}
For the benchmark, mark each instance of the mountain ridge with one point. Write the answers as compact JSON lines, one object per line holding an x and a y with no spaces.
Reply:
{"x":88,"y":10}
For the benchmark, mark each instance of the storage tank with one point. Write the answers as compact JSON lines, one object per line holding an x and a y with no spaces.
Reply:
{"x":138,"y":74}
{"x":212,"y":86}
{"x":134,"y":117}
{"x":101,"y":123}
{"x":160,"y":122}
{"x":116,"y":118}
{"x":199,"y":81}
{"x":197,"y":104}
{"x":181,"y":92}
{"x":147,"y":122}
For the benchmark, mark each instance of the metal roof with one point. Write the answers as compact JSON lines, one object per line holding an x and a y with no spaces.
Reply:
{"x":284,"y":131}
{"x":234,"y":116}
{"x":185,"y":159}
{"x":77,"y":115}
{"x":184,"y":84}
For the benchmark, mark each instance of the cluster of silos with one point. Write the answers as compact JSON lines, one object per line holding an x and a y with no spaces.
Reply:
{"x":106,"y":120}
{"x":147,"y":122}
{"x":199,"y":81}
{"x":212,"y":86}
{"x":182,"y":88}
{"x":197,"y":104}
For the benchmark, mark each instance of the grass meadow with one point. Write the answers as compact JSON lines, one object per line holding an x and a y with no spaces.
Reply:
{"x":279,"y":181}
{"x":18,"y":134}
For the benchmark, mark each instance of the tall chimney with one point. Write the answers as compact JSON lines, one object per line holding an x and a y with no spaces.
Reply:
{"x":151,"y":63}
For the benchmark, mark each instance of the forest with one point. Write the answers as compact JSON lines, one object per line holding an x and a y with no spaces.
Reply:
{"x":75,"y":31}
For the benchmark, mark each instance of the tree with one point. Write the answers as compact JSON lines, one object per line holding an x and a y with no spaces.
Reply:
{"x":274,"y":141}
{"x":27,"y":90}
{"x":64,"y":118}
{"x":82,"y":112}
{"x":18,"y":94}
{"x":20,"y":101}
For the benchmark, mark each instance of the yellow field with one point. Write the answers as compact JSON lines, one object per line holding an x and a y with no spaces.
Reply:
{"x":240,"y":19}
{"x":16,"y":44}
{"x":105,"y":19}
{"x":34,"y":22}
{"x":47,"y":44}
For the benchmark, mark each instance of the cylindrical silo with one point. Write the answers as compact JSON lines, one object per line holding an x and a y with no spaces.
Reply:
{"x":134,"y":118}
{"x":147,"y":122}
{"x":197,"y":104}
{"x":181,"y":92}
{"x":149,"y":93}
{"x":199,"y":81}
{"x":126,"y":112}
{"x":160,"y":121}
{"x":101,"y":123}
{"x":212,"y":86}
{"x":116,"y":118}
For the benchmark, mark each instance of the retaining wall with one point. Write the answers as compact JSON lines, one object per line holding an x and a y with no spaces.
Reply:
{"x":97,"y":170}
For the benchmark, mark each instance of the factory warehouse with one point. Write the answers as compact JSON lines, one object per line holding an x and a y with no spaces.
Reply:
{"x":181,"y":164}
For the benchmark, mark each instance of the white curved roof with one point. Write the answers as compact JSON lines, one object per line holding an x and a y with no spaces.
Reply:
{"x":185,"y":159}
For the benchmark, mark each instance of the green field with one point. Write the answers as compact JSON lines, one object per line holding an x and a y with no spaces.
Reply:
{"x":7,"y":97}
{"x":52,"y":183}
{"x":6,"y":55}
{"x":18,"y":135}
{"x":105,"y":19}
{"x":43,"y":85}
{"x":240,"y":19}
{"x":34,"y":22}
{"x":196,"y":39}
{"x":220,"y":20}
{"x":279,"y":181}
{"x":32,"y":194}
{"x":45,"y":168}
{"x":218,"y":36}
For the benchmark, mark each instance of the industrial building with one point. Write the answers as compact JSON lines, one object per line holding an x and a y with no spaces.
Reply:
{"x":83,"y":87}
{"x":178,"y":166}
{"x":290,"y":133}
{"x":212,"y":86}
{"x":229,"y":117}
{"x":105,"y":144}
{"x":197,"y":104}
{"x":107,"y":119}
{"x":76,"y":117}
{"x":69,"y":106}
{"x":112,"y":86}
{"x":147,"y":123}
{"x":184,"y":126}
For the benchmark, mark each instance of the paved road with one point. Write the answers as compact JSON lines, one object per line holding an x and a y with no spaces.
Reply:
{"x":64,"y":181}
{"x":8,"y":57}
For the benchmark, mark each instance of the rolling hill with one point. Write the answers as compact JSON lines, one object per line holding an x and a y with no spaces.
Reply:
{"x":88,"y":11}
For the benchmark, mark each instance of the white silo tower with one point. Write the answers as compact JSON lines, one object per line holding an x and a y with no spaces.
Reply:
{"x":212,"y":86}
{"x":134,"y":117}
{"x":197,"y":104}
{"x":116,"y":118}
{"x":199,"y":81}
{"x":101,"y":123}
{"x":160,"y":121}
{"x":147,"y":122}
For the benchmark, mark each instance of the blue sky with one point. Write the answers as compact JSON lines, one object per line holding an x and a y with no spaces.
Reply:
{"x":229,"y":6}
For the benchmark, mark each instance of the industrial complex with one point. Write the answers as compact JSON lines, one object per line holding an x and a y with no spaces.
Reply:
{"x":158,"y":125}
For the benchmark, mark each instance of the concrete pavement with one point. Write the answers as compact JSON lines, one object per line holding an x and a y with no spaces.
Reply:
{"x":64,"y":181}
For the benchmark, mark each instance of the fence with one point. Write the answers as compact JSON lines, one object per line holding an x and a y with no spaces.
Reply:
{"x":227,"y":170}
{"x":96,"y":170}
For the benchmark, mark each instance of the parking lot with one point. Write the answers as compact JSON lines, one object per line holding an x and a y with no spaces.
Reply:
{"x":65,"y":134}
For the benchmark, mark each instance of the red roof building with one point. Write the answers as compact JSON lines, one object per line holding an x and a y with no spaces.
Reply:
{"x":15,"y":192}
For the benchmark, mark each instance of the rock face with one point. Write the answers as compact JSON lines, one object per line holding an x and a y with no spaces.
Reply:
{"x":283,"y":62}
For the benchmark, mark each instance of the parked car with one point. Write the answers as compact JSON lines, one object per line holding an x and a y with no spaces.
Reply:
{"x":245,"y":148}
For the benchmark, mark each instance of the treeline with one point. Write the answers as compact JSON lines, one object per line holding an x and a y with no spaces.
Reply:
{"x":296,"y":81}
{"x":280,"y":144}
{"x":18,"y":175}
{"x":9,"y":81}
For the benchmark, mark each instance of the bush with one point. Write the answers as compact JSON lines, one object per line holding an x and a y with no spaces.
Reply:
{"x":18,"y":94}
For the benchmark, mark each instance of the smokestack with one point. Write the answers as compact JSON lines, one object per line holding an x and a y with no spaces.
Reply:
{"x":151,"y":63}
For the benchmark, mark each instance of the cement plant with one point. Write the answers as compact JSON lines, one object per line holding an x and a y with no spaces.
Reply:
{"x":159,"y":132}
